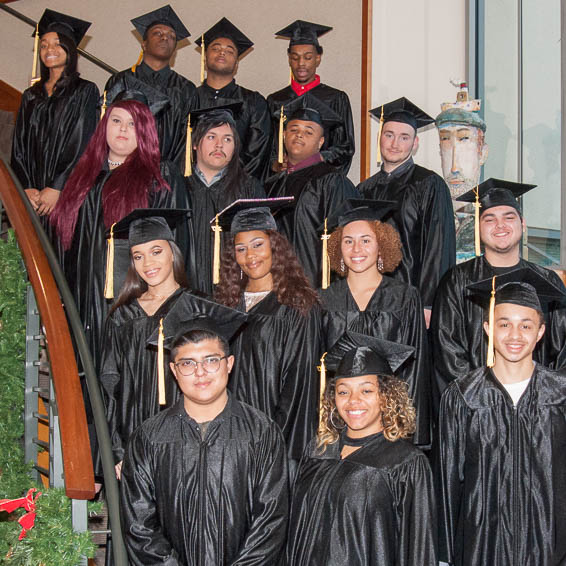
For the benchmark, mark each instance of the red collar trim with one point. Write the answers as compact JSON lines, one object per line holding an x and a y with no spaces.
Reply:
{"x":301,"y":89}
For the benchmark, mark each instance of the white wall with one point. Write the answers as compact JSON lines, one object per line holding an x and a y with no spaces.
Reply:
{"x":418,"y":46}
{"x":112,"y":39}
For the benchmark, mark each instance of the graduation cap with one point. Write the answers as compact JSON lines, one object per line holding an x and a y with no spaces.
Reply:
{"x":306,"y":107}
{"x":400,"y":110}
{"x":224,"y":105}
{"x":304,"y":33}
{"x":350,"y":210}
{"x":524,"y":287}
{"x":137,"y":91}
{"x":140,"y":226}
{"x":70,"y":27}
{"x":356,"y":354}
{"x":244,"y":215}
{"x":490,"y":193}
{"x":164,"y":15}
{"x":191,"y":313}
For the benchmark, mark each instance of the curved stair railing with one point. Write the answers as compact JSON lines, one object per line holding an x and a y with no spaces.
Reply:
{"x":51,"y":293}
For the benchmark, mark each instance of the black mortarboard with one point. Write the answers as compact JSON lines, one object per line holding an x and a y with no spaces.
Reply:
{"x":303,"y":33}
{"x":230,"y":106}
{"x":358,"y":354}
{"x":165,"y":15}
{"x":353,"y":209}
{"x":71,"y":27}
{"x":404,"y":111}
{"x":191,"y":313}
{"x":245,"y":215}
{"x":496,"y":192}
{"x":524,"y":287}
{"x":147,"y":224}
{"x":309,"y":108}
{"x":225,"y":28}
{"x":139,"y":92}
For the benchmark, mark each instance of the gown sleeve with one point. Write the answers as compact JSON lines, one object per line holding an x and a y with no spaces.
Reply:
{"x":145,"y":541}
{"x":110,"y":385}
{"x":267,"y":532}
{"x":297,"y":411}
{"x":18,"y":160}
{"x":417,"y":515}
{"x":81,"y":128}
{"x":554,"y":341}
{"x":451,"y":358}
{"x":450,"y":452}
{"x":341,"y":144}
{"x":438,"y":252}
{"x":256,"y":147}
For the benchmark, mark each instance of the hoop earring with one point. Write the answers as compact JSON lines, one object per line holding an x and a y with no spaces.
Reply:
{"x":331,"y":419}
{"x":342,"y":266}
{"x":241,"y":274}
{"x":379,"y":264}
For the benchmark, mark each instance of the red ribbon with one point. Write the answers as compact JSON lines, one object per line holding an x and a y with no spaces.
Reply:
{"x":28,"y":503}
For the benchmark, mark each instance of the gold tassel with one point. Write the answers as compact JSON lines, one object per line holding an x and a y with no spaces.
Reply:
{"x":189,"y":150}
{"x":34,"y":79}
{"x":491,"y":326}
{"x":322,"y":369}
{"x":160,"y":368}
{"x":477,"y":207}
{"x":109,"y":284}
{"x":103,"y":109}
{"x":379,"y":138}
{"x":138,"y":62}
{"x":216,"y":262}
{"x":325,"y":258}
{"x":282,"y":119}
{"x":202,"y":58}
{"x":290,"y":75}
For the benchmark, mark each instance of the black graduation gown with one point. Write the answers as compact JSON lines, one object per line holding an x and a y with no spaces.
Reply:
{"x":425,"y":221}
{"x":253,"y":123}
{"x":85,"y":265}
{"x":318,"y":190}
{"x":275,"y":369}
{"x":51,"y":134}
{"x":459,"y":341}
{"x":339,"y":144}
{"x":373,"y":508}
{"x":192,"y":502}
{"x":171,"y":122}
{"x":393,"y":313}
{"x":502,"y":480}
{"x":128,"y":374}
{"x":205,"y":202}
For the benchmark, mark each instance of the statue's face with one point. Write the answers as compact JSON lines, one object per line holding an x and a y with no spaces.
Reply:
{"x":463,"y":152}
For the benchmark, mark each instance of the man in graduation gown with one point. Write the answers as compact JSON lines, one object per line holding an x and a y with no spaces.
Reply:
{"x":217,"y":180}
{"x":501,"y":432}
{"x":424,"y":217}
{"x":318,"y":187}
{"x":224,"y":46}
{"x":205,"y":482}
{"x":305,"y":54}
{"x":161,"y":30}
{"x":459,"y":346}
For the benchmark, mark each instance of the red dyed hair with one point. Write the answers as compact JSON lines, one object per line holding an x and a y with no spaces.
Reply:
{"x":129,"y":185}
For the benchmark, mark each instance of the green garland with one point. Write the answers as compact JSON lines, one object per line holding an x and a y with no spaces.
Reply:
{"x":52,"y":541}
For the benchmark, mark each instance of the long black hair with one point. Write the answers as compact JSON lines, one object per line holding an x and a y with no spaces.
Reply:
{"x":235,"y":174}
{"x":134,"y":286}
{"x":70,"y":72}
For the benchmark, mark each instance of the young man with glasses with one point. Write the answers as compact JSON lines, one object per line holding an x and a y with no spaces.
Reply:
{"x":205,"y":482}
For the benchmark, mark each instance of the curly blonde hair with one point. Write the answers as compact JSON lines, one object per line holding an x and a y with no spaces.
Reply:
{"x":398,"y":415}
{"x":388,"y":241}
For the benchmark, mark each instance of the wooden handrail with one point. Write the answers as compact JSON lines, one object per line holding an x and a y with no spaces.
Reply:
{"x":75,"y":444}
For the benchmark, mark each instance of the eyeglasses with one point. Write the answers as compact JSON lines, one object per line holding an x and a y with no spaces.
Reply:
{"x":209,"y":365}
